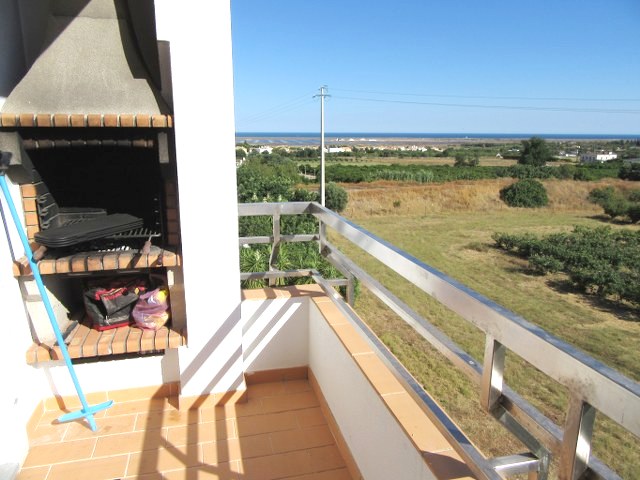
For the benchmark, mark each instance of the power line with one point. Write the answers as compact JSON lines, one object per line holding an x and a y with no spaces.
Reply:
{"x":279,"y":109}
{"x":497,"y":107}
{"x":490,"y":97}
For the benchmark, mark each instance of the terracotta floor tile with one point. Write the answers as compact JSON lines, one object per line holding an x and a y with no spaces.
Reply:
{"x":274,"y":422}
{"x":33,"y":473}
{"x":310,"y":417}
{"x":422,"y":432}
{"x":59,"y":452}
{"x":448,"y":465}
{"x":139,"y":406}
{"x":166,"y":418}
{"x":106,"y":426}
{"x":351,"y":339}
{"x":129,"y":443}
{"x":95,"y":469}
{"x":339,"y":474}
{"x":164,"y":458}
{"x":296,"y":386}
{"x":202,"y":432}
{"x":221,"y":471}
{"x":266,"y":390}
{"x":302,"y":439}
{"x":325,"y":458}
{"x":277,"y":466}
{"x":236,"y":449}
{"x":379,"y":375}
{"x":295,"y":401}
{"x":251,"y":407}
{"x":280,"y":432}
{"x":48,"y":434}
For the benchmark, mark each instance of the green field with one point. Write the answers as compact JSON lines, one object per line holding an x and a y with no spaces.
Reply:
{"x":459,"y":244}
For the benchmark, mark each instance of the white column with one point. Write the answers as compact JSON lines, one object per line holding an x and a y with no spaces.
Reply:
{"x":199,"y":35}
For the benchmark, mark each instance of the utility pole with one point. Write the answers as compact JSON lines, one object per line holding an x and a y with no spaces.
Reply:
{"x":322,"y":95}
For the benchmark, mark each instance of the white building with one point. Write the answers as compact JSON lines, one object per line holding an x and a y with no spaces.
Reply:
{"x":592,"y":157}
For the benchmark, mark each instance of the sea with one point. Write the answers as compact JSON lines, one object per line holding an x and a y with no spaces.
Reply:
{"x":365,"y":138}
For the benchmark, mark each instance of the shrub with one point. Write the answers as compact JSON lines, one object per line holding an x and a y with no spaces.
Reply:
{"x":601,"y":195}
{"x":525,"y":193}
{"x":336,"y":197}
{"x":616,"y":206}
{"x":544,"y":264}
{"x":599,"y":261}
{"x":634,"y":212}
{"x":630,"y":172}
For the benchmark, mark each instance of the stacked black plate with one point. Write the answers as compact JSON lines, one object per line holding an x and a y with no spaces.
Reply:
{"x":87,"y":230}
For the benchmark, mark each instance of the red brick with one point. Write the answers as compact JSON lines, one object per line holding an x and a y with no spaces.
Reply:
{"x":78,"y":120}
{"x":127,"y":120}
{"x":43,"y":120}
{"x":27,"y":120}
{"x":94,"y":120}
{"x":61,"y":120}
{"x":8,"y":120}
{"x":143,"y":120}
{"x":111,"y":120}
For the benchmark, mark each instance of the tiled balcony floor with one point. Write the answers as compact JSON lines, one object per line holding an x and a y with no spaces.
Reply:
{"x":280,"y":432}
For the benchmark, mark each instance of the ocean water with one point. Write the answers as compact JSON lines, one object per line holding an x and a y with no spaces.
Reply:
{"x":313,"y":138}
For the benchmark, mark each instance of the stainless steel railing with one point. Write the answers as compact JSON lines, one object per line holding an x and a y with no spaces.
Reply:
{"x":593,"y":386}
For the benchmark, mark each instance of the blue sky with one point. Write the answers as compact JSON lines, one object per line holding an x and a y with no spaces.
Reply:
{"x":561,"y":66}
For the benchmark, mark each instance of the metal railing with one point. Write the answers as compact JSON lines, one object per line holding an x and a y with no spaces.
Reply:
{"x":593,"y":387}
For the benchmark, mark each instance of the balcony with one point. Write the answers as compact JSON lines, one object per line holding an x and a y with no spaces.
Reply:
{"x":325,"y":397}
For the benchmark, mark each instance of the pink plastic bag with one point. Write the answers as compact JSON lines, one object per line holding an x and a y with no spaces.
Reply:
{"x":152,"y":309}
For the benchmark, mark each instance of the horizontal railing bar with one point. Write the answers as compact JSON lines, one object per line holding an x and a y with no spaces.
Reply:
{"x":474,"y":459}
{"x":254,"y":240}
{"x":610,"y":392}
{"x":283,"y":238}
{"x":515,"y":464}
{"x":275,"y":274}
{"x":268,"y":209}
{"x":337,"y":282}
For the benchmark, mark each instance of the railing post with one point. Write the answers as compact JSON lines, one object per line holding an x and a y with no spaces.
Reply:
{"x":322,"y":235}
{"x":576,"y":441}
{"x":351,"y":290}
{"x":275,"y":247}
{"x":492,"y":373}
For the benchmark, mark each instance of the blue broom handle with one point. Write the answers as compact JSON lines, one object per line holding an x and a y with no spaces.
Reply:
{"x":43,"y":292}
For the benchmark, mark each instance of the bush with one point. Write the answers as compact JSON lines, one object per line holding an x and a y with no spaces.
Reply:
{"x":616,"y":206}
{"x":634,"y":212}
{"x":630,"y":172}
{"x":544,"y":264}
{"x":599,"y":261}
{"x":336,"y":197}
{"x":525,"y":193}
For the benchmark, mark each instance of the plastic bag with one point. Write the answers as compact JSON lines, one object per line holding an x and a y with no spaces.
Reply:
{"x":152,"y":309}
{"x":109,"y":302}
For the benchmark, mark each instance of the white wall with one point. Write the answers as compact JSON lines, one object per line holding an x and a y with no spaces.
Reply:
{"x":148,"y":371}
{"x":21,"y":388}
{"x":275,"y":333}
{"x":199,"y":36}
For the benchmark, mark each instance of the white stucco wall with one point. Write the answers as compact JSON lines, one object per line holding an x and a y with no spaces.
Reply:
{"x":199,"y":36}
{"x":21,"y":389}
{"x":275,"y":333}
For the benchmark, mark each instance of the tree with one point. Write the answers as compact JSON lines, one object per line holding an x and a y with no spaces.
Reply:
{"x":527,"y":193}
{"x":335,"y":197}
{"x":535,"y":152}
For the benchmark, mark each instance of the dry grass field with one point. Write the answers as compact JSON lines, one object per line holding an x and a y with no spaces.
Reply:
{"x":449,"y":226}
